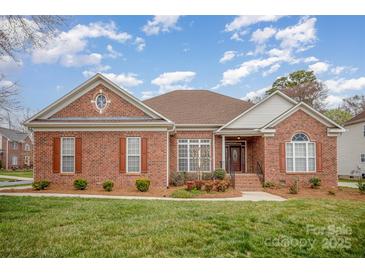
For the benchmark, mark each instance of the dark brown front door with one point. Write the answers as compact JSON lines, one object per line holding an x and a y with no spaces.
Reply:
{"x":235,"y":158}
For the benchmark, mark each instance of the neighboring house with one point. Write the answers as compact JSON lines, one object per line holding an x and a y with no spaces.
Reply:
{"x":351,"y":148}
{"x":16,"y":149}
{"x":99,"y":131}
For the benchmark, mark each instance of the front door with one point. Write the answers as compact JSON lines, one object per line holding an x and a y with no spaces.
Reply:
{"x":235,"y":158}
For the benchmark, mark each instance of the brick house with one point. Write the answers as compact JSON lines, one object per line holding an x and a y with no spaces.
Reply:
{"x":16,"y":149}
{"x":99,"y":131}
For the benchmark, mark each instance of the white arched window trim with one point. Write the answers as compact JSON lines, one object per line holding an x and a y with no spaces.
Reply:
{"x":300,"y":154}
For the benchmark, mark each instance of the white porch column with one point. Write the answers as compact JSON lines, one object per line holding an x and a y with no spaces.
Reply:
{"x":224,"y":152}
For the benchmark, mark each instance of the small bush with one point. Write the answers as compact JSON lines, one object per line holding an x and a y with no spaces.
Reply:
{"x":199,"y":184}
{"x":143,"y":184}
{"x":208,"y":186}
{"x":80,"y":184}
{"x":108,"y":185}
{"x":40,"y":185}
{"x":315,"y":182}
{"x":191,"y":176}
{"x":222,"y":185}
{"x":294,"y":188}
{"x":208,"y":176}
{"x":190,"y":185}
{"x":361,"y":186}
{"x":268,"y":184}
{"x":219,"y":174}
{"x":178,"y":178}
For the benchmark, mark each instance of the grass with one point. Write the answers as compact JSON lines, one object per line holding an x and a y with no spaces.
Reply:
{"x":7,"y":180}
{"x":183,"y":193}
{"x":75,"y":227}
{"x":349,"y":180}
{"x":16,"y":185}
{"x":17,"y":173}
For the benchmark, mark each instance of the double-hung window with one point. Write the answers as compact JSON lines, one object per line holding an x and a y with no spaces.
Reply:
{"x":68,"y":154}
{"x":134,"y":154}
{"x":300,"y":154}
{"x":194,"y":155}
{"x":27,"y":147}
{"x":14,"y":160}
{"x":15,"y":145}
{"x":362,"y":158}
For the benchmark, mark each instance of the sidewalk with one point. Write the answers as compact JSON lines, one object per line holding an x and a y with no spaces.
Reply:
{"x":246,"y":196}
{"x":16,"y":178}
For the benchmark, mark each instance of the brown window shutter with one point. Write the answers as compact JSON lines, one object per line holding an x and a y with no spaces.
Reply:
{"x":319,"y":157}
{"x":78,"y":155}
{"x":56,"y":155}
{"x":282,"y":157}
{"x":144,"y":155}
{"x":122,"y":155}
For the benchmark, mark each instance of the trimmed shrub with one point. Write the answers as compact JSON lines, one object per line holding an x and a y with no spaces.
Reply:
{"x":143,"y":184}
{"x":80,"y":184}
{"x":361,"y":186}
{"x":219,"y":174}
{"x":294,"y":188}
{"x":315,"y":182}
{"x":208,"y":186}
{"x":108,"y":185}
{"x":40,"y":185}
{"x":268,"y":184}
{"x":178,"y":178}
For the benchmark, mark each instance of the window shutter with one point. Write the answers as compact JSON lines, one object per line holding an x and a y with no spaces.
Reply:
{"x":282,"y":157}
{"x":144,"y":155}
{"x":319,"y":157}
{"x":56,"y":154}
{"x":122,"y":155}
{"x":78,"y":155}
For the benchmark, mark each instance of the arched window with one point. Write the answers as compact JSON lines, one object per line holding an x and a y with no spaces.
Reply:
{"x":300,"y":154}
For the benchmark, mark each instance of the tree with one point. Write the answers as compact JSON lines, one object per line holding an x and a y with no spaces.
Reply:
{"x":338,"y":115}
{"x":302,"y":86}
{"x":354,"y":104}
{"x":21,"y":32}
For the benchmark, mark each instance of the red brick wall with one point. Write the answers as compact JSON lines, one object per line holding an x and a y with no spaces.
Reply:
{"x":187,"y":135}
{"x":83,"y":107}
{"x":317,"y":132}
{"x":100,"y":158}
{"x":19,"y":152}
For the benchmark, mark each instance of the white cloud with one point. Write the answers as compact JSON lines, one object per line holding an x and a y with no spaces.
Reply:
{"x":173,"y":80}
{"x":343,"y":85}
{"x":7,"y":64}
{"x":342,"y":69}
{"x":247,"y":20}
{"x":160,"y":23}
{"x":237,"y":36}
{"x":74,"y":42}
{"x":262,"y":35}
{"x":256,"y":93}
{"x":319,"y":67}
{"x":310,"y":59}
{"x":140,"y":43}
{"x":112,"y":53}
{"x":70,"y":60}
{"x":147,"y":95}
{"x":122,"y":79}
{"x":4,"y":83}
{"x":272,"y":69}
{"x":333,"y":101}
{"x":299,"y":36}
{"x":227,"y":56}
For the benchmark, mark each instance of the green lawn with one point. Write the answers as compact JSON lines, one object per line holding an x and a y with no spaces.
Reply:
{"x":74,"y":227}
{"x":18,"y":173}
{"x":349,"y":180}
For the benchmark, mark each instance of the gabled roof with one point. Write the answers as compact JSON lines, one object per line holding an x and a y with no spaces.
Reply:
{"x":76,"y":93}
{"x":198,"y":107}
{"x":357,"y":119}
{"x":13,"y":135}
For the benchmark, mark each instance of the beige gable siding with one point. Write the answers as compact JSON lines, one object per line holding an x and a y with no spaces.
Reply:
{"x":263,"y":114}
{"x":351,"y":144}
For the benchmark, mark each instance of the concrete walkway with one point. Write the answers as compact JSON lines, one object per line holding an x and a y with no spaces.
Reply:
{"x":15,"y":187}
{"x":246,"y":196}
{"x":16,"y":178}
{"x":348,"y":184}
{"x":14,"y":183}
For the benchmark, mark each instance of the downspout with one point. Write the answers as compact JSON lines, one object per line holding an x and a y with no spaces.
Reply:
{"x":168,"y":155}
{"x":7,"y":153}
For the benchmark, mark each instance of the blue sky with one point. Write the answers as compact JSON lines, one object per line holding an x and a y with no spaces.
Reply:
{"x":235,"y":55}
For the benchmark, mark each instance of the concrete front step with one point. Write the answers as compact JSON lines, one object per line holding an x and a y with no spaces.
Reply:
{"x":247,"y":182}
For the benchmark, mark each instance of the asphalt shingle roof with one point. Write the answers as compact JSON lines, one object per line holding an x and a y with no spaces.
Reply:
{"x":13,"y":135}
{"x":358,"y":118}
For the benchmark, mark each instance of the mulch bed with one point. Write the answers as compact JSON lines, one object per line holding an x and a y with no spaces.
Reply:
{"x":341,"y":193}
{"x":128,"y":191}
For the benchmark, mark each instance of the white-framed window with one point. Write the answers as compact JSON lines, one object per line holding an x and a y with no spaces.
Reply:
{"x":362,"y":158}
{"x":133,"y":154}
{"x":27,"y":147}
{"x":14,"y":145}
{"x":192,"y":154}
{"x":67,"y":154}
{"x":100,"y":101}
{"x":364,"y":131}
{"x":300,"y":154}
{"x":27,"y":160}
{"x":14,"y":160}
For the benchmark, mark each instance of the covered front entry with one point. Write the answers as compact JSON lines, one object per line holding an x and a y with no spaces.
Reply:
{"x":236,"y":157}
